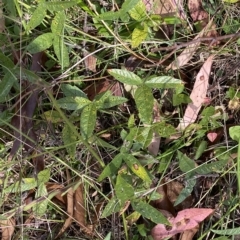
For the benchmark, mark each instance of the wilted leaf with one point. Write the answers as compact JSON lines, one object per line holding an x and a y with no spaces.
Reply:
{"x":189,"y":51}
{"x":69,"y":219}
{"x":198,"y":94}
{"x":7,"y":227}
{"x":185,"y":220}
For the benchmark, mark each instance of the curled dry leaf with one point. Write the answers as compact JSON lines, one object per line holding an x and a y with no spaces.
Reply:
{"x":163,"y":203}
{"x":69,"y":219}
{"x":7,"y":227}
{"x":185,"y":220}
{"x":198,"y":95}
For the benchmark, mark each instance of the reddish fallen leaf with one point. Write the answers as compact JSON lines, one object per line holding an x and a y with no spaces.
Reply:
{"x":185,"y":220}
{"x":212,"y":136}
{"x":198,"y":95}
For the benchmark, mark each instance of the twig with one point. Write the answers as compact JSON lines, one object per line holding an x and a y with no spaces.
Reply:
{"x":179,"y":45}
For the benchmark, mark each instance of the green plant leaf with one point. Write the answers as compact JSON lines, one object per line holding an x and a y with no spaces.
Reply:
{"x":25,"y":185}
{"x":234,"y":133}
{"x":37,"y":17}
{"x":112,"y":168}
{"x":185,"y":163}
{"x":5,"y":85}
{"x":201,"y":148}
{"x":178,"y":99}
{"x":217,"y":166}
{"x":125,"y":76}
{"x":136,"y":167}
{"x":129,"y":4}
{"x":43,"y":176}
{"x":124,"y":191}
{"x":163,"y":129}
{"x":61,"y":51}
{"x":190,"y":183}
{"x":88,"y":120}
{"x":112,"y":207}
{"x":144,"y":136}
{"x":139,"y":34}
{"x":149,"y":212}
{"x":72,"y":91}
{"x":6,"y":61}
{"x":110,"y":15}
{"x":164,"y":82}
{"x":41,"y":43}
{"x":139,"y":11}
{"x":58,"y":22}
{"x":40,"y":208}
{"x":108,"y":101}
{"x":59,"y":5}
{"x":69,"y":139}
{"x":144,"y":101}
{"x":73,"y":103}
{"x":231,"y":232}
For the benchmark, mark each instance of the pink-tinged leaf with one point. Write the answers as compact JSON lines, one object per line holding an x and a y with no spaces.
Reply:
{"x":212,"y":136}
{"x":198,"y":95}
{"x":190,"y":50}
{"x":185,"y":220}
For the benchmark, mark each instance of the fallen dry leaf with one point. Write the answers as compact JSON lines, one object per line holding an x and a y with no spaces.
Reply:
{"x":7,"y":227}
{"x":198,"y":14}
{"x":90,"y":61}
{"x":163,"y":203}
{"x":189,"y":51}
{"x":212,"y":136}
{"x":69,"y":219}
{"x":185,"y":220}
{"x":189,"y":234}
{"x":198,"y":95}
